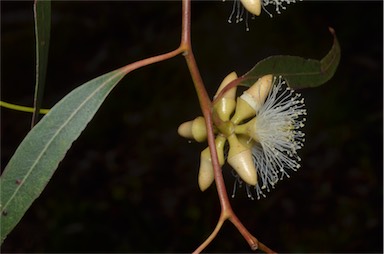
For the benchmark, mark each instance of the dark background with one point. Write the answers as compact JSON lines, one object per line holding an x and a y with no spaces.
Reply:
{"x":129,"y":183}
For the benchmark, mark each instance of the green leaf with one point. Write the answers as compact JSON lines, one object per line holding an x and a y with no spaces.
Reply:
{"x":39,"y":154}
{"x":297,"y":71}
{"x":42,"y":16}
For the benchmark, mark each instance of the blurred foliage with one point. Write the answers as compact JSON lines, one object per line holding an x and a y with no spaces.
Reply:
{"x":129,"y":183}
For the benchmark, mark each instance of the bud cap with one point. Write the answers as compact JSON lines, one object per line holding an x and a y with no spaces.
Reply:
{"x":253,"y":6}
{"x":258,"y":92}
{"x":194,"y":129}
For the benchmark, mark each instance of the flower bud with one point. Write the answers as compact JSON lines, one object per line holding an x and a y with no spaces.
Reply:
{"x":226,"y":104}
{"x":206,"y":174}
{"x":194,"y":129}
{"x":240,"y":158}
{"x":258,"y":92}
{"x":249,"y":103}
{"x":253,"y":6}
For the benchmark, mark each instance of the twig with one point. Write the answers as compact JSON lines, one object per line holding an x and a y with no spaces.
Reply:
{"x":206,"y":107}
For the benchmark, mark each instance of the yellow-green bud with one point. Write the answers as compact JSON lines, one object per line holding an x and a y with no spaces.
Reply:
{"x":194,"y":129}
{"x":226,"y":104}
{"x":253,"y":6}
{"x":258,"y":92}
{"x":240,"y":158}
{"x":206,"y":174}
{"x":249,"y":103}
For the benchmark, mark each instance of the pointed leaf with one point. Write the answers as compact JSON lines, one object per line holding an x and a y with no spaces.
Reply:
{"x":42,"y":16}
{"x":39,"y":154}
{"x":297,"y":71}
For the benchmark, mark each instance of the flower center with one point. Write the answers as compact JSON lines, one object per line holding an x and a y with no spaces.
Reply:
{"x":226,"y":128}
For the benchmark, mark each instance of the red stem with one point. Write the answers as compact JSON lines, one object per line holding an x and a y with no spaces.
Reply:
{"x":206,"y":107}
{"x":205,"y":103}
{"x":150,"y":60}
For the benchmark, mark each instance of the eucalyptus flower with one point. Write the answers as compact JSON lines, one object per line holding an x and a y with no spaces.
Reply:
{"x":254,"y":7}
{"x":279,"y":5}
{"x":263,"y":130}
{"x":275,"y":135}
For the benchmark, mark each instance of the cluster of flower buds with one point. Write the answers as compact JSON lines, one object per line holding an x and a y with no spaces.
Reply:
{"x":262,"y":130}
{"x":240,"y":154}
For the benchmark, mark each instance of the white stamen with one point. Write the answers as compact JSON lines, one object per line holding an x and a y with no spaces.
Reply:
{"x":278,"y":5}
{"x":278,"y":136}
{"x":277,"y":130}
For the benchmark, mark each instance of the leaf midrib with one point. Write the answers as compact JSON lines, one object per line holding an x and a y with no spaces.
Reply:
{"x":53,"y":137}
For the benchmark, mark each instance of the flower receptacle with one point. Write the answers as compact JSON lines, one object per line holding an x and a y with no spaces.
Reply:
{"x":224,"y":108}
{"x":243,"y":111}
{"x":248,"y":129}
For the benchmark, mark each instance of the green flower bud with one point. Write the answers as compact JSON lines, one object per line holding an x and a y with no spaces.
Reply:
{"x":253,"y":6}
{"x":194,"y":129}
{"x":249,"y":103}
{"x":258,"y":92}
{"x":226,"y":105}
{"x":206,"y":174}
{"x":240,"y":158}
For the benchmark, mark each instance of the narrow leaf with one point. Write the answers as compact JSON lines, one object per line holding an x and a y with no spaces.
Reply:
{"x":39,"y":154}
{"x":298,"y":72}
{"x":42,"y":16}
